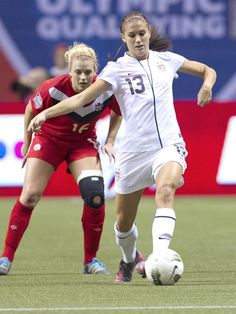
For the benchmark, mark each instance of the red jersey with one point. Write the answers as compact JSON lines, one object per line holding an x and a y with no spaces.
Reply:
{"x":78,"y":124}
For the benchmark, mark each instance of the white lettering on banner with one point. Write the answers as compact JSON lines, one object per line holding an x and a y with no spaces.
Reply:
{"x":104,"y":6}
{"x":49,"y":7}
{"x":197,"y":26}
{"x":206,"y":6}
{"x":57,"y":7}
{"x":80,"y":7}
{"x":165,"y":6}
{"x":227,"y":168}
{"x":125,"y":6}
{"x":47,"y":28}
{"x":52,"y":28}
{"x":183,"y":19}
{"x":210,"y":6}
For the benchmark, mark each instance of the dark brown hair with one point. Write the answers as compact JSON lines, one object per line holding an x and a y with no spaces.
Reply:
{"x":158,"y":42}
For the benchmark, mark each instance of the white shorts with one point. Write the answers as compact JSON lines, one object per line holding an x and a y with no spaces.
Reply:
{"x":136,"y":171}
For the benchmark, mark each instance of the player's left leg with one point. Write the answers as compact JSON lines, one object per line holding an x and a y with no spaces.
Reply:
{"x":87,"y":172}
{"x":168,"y":167}
{"x":167,"y":180}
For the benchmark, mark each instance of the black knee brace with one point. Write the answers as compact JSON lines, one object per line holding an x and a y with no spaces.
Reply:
{"x":92,"y":191}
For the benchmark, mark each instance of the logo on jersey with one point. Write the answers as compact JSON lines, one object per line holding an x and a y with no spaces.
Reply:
{"x":161,"y":66}
{"x":38,"y":102}
{"x":37,"y":147}
{"x":98,"y":106}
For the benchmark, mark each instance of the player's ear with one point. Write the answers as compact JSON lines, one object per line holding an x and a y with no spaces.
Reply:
{"x":122,"y":37}
{"x":150,"y":31}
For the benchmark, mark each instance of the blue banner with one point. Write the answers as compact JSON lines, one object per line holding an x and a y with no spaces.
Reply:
{"x":202,"y":30}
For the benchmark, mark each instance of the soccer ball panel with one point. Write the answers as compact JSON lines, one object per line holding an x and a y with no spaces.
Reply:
{"x":165,"y":271}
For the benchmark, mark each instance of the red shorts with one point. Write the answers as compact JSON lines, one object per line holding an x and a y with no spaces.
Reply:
{"x":55,"y":151}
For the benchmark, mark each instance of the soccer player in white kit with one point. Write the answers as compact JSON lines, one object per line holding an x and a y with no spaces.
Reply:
{"x":152,"y":149}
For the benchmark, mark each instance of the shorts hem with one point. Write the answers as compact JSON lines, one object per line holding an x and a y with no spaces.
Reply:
{"x":131,"y":190}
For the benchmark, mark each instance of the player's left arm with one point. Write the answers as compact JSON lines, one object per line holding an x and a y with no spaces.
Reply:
{"x":29,"y":114}
{"x":115,"y":122}
{"x":206,"y":73}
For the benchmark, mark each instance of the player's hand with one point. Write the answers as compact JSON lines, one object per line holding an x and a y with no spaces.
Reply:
{"x":24,"y":152}
{"x":204,"y":96}
{"x":108,"y":149}
{"x":24,"y":149}
{"x":36,"y":122}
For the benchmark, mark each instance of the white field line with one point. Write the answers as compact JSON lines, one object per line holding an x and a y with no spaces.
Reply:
{"x":119,"y":308}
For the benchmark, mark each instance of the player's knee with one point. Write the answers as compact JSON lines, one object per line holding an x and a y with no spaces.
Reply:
{"x":165,"y":193}
{"x":31,"y":197}
{"x":92,"y":188}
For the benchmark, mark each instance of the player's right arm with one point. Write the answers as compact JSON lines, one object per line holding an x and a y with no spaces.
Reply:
{"x":70,"y":104}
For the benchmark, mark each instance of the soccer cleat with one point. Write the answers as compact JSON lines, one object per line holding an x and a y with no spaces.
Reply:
{"x":140,"y":267}
{"x":95,"y":267}
{"x":5,"y":265}
{"x":126,"y":269}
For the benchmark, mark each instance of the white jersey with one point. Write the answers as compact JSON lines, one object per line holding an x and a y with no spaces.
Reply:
{"x":143,"y":90}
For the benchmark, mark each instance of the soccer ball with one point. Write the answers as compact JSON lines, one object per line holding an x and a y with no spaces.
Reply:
{"x":166,"y":270}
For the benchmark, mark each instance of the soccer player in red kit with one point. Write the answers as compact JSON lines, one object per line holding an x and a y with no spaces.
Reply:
{"x":69,"y":138}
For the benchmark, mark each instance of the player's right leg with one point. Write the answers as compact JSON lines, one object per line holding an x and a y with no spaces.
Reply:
{"x":37,"y":175}
{"x":126,"y":234}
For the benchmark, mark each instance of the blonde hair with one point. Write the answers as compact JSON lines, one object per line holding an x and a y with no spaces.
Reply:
{"x":79,"y":50}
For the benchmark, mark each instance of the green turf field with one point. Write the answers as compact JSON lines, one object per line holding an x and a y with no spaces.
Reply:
{"x":47,"y":277}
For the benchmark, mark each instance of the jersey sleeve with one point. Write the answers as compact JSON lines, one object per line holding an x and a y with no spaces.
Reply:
{"x":39,"y":99}
{"x":108,"y":74}
{"x":176,"y":60}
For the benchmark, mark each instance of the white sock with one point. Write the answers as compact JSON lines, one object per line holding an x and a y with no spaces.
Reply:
{"x":127,"y":243}
{"x":162,"y":229}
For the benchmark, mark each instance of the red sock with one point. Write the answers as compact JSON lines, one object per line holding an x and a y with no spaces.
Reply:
{"x":92,"y":222}
{"x":19,"y":220}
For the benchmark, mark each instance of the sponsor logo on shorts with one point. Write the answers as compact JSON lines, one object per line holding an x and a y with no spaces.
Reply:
{"x":117,"y":173}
